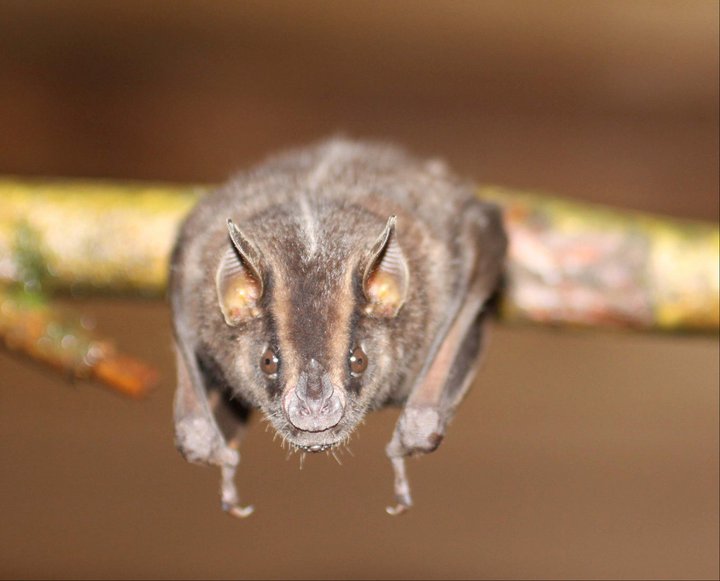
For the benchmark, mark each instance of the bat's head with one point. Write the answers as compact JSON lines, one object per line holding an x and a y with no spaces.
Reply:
{"x":314,"y":316}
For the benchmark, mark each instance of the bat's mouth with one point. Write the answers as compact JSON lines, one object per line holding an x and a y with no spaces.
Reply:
{"x":314,"y":442}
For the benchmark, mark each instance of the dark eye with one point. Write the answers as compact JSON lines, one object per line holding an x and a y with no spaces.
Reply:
{"x":358,"y":361}
{"x":269,"y":362}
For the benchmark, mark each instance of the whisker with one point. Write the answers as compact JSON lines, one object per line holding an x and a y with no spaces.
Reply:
{"x":334,"y":455}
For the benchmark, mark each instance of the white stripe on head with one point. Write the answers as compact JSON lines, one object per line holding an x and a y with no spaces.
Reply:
{"x":316,"y":178}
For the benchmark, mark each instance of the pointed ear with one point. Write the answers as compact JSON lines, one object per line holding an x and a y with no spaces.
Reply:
{"x":238,"y":281}
{"x":386,"y":278}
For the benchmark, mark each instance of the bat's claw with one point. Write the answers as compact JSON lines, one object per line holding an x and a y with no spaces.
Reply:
{"x":404,"y":502}
{"x":398,"y":509}
{"x":238,"y":511}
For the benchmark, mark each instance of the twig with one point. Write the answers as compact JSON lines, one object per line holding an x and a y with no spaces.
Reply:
{"x":54,"y":336}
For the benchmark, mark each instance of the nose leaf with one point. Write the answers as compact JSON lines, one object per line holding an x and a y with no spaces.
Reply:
{"x":314,"y":405}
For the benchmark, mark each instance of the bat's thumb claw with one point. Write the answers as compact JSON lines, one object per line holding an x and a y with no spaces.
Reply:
{"x":238,"y":511}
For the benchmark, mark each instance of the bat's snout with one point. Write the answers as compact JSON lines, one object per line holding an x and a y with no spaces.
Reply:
{"x":314,"y":405}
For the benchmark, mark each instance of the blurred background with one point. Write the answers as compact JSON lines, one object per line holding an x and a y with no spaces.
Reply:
{"x":577,"y":454}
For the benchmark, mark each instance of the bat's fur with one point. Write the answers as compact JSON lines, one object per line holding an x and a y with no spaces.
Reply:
{"x":312,"y":217}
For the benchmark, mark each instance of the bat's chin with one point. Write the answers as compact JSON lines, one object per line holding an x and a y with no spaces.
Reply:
{"x":317,"y":447}
{"x":314,"y":441}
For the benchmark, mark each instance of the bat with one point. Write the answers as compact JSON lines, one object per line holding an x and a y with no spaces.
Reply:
{"x":325,"y":283}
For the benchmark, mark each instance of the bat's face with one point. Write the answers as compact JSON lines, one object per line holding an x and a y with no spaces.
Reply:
{"x":314,"y":342}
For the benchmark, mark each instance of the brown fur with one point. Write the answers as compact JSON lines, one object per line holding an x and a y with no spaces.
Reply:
{"x":313,"y":216}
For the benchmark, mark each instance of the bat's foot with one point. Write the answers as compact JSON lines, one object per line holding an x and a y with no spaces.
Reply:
{"x":230,"y":502}
{"x":401,"y":507}
{"x":402,"y":488}
{"x":238,"y":511}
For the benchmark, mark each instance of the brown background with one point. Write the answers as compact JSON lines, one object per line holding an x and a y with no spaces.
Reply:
{"x":578,"y":454}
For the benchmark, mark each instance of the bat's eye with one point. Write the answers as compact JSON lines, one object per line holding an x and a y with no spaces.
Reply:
{"x":358,"y":361}
{"x":269,"y":362}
